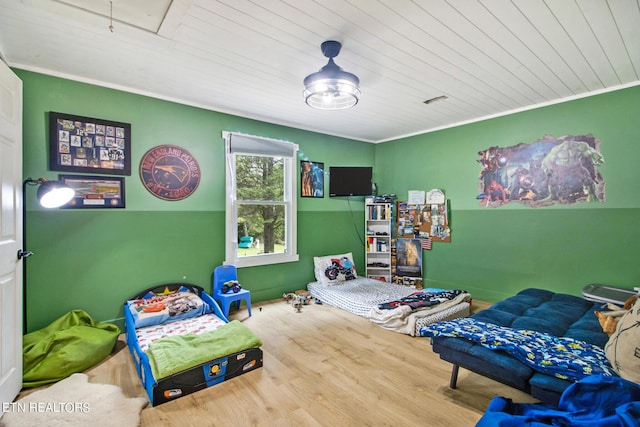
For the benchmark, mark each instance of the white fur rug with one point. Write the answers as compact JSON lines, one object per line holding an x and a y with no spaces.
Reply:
{"x":75,"y":402}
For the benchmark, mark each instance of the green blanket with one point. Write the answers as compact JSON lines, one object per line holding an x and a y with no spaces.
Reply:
{"x":171,"y":355}
{"x":70,"y":344}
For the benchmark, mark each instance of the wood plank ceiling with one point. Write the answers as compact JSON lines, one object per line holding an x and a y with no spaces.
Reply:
{"x":488,"y":57}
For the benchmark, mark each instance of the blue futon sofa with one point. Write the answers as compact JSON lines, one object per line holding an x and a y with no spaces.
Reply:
{"x":532,"y":309}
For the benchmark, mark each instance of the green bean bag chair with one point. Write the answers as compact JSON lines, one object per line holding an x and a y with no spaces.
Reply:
{"x":70,"y":344}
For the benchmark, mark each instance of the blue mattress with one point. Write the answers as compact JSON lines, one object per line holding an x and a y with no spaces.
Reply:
{"x":539,"y":310}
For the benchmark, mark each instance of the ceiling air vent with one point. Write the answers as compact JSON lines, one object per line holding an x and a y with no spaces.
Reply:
{"x":437,"y":98}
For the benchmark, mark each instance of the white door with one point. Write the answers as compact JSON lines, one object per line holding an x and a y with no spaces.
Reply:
{"x":10,"y":234}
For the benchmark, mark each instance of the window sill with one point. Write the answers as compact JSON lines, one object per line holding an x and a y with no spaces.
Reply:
{"x":266,"y":259}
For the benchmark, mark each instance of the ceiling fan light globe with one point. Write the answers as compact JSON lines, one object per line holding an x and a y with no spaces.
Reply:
{"x":332,"y":94}
{"x":331,"y":88}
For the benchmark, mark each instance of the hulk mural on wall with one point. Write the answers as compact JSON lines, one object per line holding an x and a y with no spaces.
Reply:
{"x":550,"y":170}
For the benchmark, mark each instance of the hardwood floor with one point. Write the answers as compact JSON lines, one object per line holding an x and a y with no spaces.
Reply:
{"x":323,"y":367}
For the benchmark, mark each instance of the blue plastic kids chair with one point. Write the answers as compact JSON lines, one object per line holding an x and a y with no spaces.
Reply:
{"x":229,"y":294}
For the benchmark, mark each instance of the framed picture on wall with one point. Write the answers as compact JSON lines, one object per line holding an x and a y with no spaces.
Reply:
{"x":88,"y":145}
{"x":311,"y":179}
{"x":95,"y":191}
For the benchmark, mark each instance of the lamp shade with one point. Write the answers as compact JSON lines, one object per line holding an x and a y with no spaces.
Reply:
{"x":331,"y":88}
{"x":53,"y":194}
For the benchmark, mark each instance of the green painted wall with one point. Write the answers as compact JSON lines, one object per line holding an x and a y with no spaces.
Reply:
{"x":95,"y":259}
{"x":497,"y":252}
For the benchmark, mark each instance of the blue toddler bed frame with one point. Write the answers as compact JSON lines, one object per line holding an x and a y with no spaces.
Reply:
{"x":195,"y":378}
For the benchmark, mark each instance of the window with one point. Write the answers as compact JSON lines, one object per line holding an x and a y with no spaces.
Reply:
{"x":261,"y":200}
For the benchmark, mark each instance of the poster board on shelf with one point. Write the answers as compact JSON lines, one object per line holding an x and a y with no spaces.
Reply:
{"x":408,"y":257}
{"x":430,"y":220}
{"x":398,"y":271}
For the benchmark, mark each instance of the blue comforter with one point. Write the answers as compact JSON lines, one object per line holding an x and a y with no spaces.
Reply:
{"x":595,"y":401}
{"x":562,"y":357}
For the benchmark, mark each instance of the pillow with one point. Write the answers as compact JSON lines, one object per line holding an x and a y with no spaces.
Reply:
{"x":334,"y":269}
{"x":155,"y":309}
{"x":623,"y":348}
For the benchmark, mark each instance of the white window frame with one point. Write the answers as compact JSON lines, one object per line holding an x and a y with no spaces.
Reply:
{"x":238,"y":143}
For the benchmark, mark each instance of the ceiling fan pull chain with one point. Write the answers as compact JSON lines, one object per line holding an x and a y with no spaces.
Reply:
{"x":111,"y":16}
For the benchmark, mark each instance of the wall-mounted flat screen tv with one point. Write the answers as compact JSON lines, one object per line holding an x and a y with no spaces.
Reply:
{"x":350,"y":180}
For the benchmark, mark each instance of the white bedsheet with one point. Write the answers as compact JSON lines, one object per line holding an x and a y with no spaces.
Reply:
{"x":362,"y":296}
{"x":405,"y":321}
{"x":193,"y":325}
{"x":358,"y":296}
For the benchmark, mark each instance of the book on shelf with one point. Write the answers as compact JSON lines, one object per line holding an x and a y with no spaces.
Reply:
{"x":379,"y":212}
{"x":375,"y":244}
